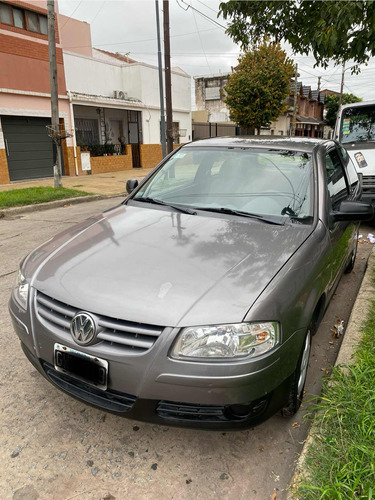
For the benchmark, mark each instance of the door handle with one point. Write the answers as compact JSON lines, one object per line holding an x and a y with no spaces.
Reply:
{"x":6,"y":147}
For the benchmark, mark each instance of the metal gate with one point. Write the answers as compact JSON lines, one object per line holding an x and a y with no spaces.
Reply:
{"x":30,"y":152}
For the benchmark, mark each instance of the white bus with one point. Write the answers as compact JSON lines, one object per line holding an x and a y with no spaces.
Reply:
{"x":355,"y":129}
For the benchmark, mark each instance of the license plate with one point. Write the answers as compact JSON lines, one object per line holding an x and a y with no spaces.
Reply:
{"x":82,"y":366}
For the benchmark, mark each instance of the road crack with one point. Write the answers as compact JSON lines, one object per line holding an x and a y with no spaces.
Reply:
{"x":7,"y":274}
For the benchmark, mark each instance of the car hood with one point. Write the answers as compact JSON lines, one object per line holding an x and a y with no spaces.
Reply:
{"x":152,"y":265}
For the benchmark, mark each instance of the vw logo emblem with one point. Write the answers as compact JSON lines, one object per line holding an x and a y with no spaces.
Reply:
{"x":83,"y":329}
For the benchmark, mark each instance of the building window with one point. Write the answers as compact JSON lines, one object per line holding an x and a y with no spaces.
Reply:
{"x":5,"y":14}
{"x":33,"y":21}
{"x":18,"y":18}
{"x":87,"y":132}
{"x":24,"y":19}
{"x":43,"y":24}
{"x":176,"y":133}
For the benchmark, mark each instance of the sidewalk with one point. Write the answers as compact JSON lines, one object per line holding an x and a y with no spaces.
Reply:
{"x":108,"y":184}
{"x":352,"y":337}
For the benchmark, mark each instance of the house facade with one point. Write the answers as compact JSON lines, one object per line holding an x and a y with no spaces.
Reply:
{"x":210,"y":107}
{"x":25,"y":149}
{"x":209,"y":94}
{"x":108,"y":103}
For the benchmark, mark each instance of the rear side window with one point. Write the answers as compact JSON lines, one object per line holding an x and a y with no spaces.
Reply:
{"x":336,"y":182}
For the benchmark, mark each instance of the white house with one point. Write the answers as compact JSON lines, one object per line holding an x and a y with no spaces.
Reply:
{"x":115,"y":104}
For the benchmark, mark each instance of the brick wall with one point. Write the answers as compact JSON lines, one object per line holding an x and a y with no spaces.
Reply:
{"x":26,"y":48}
{"x":4,"y":175}
{"x":68,"y":157}
{"x":27,"y":5}
{"x":151,"y":154}
{"x":102,"y":164}
{"x":99,"y":164}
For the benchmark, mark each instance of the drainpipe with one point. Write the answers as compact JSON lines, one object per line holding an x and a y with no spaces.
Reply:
{"x":74,"y":131}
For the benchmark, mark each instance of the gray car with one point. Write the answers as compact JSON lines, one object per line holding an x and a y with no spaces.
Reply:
{"x":195,"y":300}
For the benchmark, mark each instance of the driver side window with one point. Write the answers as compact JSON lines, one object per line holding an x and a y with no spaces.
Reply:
{"x":336,"y":183}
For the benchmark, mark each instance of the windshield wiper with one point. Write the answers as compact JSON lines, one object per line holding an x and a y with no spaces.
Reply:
{"x":155,"y":201}
{"x":230,"y":211}
{"x":308,"y":219}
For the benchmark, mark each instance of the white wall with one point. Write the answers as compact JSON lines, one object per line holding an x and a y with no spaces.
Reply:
{"x":140,"y":81}
{"x":88,"y":76}
{"x":151,"y":126}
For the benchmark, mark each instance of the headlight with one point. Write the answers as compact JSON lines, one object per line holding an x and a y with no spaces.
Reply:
{"x":21,"y":290}
{"x":237,"y":340}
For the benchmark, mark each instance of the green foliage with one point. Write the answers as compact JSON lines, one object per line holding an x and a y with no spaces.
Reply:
{"x":340,"y":31}
{"x":340,"y":463}
{"x":258,"y":87}
{"x":332,"y":105}
{"x":30,"y":196}
{"x":101,"y":149}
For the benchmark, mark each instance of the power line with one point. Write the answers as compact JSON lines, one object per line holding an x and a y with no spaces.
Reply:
{"x":138,"y":41}
{"x":96,"y":15}
{"x":189,"y":6}
{"x":200,"y":40}
{"x":71,"y":15}
{"x":213,"y":10}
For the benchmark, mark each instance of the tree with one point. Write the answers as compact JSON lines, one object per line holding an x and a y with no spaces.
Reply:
{"x":338,"y":30}
{"x":257,"y":88}
{"x":332,"y":105}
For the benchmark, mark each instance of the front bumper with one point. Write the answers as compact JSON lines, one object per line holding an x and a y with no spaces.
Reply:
{"x":151,"y":386}
{"x":171,"y":413}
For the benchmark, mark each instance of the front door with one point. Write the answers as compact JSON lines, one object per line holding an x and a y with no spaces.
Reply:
{"x":340,"y":232}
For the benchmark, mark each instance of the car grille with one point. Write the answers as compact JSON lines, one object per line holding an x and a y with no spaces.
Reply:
{"x":189,"y":411}
{"x":135,"y":337}
{"x":368,"y":183}
{"x":211,"y":413}
{"x":108,"y":400}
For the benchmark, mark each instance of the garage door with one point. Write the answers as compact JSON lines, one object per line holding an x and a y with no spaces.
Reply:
{"x":30,"y":152}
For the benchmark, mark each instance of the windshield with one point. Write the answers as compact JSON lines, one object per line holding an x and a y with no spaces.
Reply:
{"x":358,"y":124}
{"x":255,"y":181}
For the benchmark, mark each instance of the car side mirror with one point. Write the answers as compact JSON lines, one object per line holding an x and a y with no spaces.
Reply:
{"x":131,"y":185}
{"x":353,"y":211}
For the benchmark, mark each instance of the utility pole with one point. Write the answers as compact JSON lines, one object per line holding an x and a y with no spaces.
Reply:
{"x":342,"y":84}
{"x":54,"y":90}
{"x":161,"y":91}
{"x":168,"y":83}
{"x":293,"y":130}
{"x":319,"y":78}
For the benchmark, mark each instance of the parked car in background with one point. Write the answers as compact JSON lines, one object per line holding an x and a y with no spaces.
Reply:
{"x":194,"y":302}
{"x":355,"y":129}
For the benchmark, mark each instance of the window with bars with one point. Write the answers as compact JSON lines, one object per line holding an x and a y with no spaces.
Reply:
{"x":87,"y":132}
{"x":22,"y":18}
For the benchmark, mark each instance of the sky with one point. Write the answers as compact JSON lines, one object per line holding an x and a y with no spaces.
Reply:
{"x":199,"y":44}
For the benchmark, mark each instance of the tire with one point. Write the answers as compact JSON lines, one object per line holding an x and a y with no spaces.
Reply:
{"x":350,"y":266}
{"x":299,"y":378}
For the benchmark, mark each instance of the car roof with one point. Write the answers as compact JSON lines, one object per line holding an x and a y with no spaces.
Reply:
{"x":304,"y":144}
{"x":358,"y":104}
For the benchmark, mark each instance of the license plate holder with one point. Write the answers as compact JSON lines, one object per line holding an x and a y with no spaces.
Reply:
{"x":84,"y":367}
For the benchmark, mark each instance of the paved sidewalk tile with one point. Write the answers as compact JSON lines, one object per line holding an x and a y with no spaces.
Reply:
{"x":111,"y":183}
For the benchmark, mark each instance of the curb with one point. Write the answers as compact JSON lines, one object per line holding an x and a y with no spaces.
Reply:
{"x":351,"y":339}
{"x":9,"y":212}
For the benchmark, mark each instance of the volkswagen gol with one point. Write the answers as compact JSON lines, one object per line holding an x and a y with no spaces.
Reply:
{"x":195,"y":300}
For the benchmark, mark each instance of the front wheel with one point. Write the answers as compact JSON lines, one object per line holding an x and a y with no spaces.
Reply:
{"x":299,"y":379}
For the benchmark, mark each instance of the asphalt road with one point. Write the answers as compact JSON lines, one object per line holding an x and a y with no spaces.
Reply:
{"x":54,"y":447}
